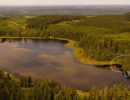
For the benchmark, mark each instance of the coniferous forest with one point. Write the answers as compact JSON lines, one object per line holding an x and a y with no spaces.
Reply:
{"x":24,"y":88}
{"x":100,"y":38}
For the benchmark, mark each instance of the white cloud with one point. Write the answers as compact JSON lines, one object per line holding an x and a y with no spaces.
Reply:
{"x":61,"y":2}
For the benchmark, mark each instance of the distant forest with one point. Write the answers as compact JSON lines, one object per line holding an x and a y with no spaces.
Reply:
{"x":72,"y":10}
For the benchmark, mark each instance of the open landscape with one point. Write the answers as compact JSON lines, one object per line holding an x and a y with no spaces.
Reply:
{"x":65,"y":53}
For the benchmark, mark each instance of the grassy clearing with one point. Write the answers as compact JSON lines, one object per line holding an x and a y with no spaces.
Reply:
{"x":67,"y":25}
{"x":123,"y":36}
{"x":104,"y":32}
{"x":82,"y":94}
{"x":78,"y":53}
{"x":19,"y":20}
{"x":13,"y":22}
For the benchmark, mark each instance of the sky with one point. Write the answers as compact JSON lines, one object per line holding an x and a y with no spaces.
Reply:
{"x":64,"y":2}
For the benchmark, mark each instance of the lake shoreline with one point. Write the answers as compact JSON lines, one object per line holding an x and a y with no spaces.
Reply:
{"x":69,"y":45}
{"x":77,"y":53}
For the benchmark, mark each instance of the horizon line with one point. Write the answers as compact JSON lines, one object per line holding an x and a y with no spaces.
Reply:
{"x":73,"y":5}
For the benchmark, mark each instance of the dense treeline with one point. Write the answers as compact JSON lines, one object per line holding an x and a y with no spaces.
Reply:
{"x":24,"y":88}
{"x":41,"y":22}
{"x":103,"y":49}
{"x":7,"y":31}
{"x":116,"y":92}
{"x":115,"y":23}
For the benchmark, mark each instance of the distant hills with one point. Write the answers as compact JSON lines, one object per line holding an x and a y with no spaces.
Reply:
{"x":77,"y":9}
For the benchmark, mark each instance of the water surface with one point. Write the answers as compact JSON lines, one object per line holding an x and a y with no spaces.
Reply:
{"x":43,"y":59}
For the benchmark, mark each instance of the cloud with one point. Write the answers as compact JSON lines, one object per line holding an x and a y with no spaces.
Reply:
{"x":61,"y":2}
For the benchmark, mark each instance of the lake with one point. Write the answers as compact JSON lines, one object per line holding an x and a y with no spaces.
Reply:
{"x":51,"y":59}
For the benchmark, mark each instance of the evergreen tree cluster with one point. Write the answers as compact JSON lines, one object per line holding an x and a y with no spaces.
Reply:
{"x":41,"y":22}
{"x":24,"y":88}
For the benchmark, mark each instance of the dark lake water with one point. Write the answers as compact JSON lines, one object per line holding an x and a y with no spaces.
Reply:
{"x":43,"y":59}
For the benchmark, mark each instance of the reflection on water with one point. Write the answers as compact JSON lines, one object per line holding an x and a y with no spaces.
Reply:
{"x":43,"y":59}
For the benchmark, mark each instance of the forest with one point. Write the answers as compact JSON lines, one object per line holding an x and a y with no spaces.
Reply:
{"x":25,"y":88}
{"x":101,"y":38}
